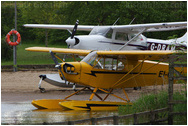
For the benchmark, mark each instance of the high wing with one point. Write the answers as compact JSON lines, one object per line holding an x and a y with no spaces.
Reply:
{"x":152,"y":27}
{"x":131,"y":55}
{"x":65,"y":27}
{"x":59,"y":50}
{"x":137,"y":55}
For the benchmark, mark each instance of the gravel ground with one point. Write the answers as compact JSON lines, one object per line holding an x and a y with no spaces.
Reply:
{"x":23,"y":86}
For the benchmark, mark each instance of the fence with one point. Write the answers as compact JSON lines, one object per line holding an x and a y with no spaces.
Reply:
{"x":9,"y":68}
{"x":153,"y":119}
{"x":174,"y":75}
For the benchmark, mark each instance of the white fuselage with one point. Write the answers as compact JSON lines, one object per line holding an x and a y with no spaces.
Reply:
{"x":105,"y":38}
{"x":99,"y":42}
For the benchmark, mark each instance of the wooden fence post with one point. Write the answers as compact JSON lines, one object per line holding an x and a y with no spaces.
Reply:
{"x":115,"y":119}
{"x":135,"y":119}
{"x":152,"y":118}
{"x":170,"y":90}
{"x":93,"y":121}
{"x":70,"y":122}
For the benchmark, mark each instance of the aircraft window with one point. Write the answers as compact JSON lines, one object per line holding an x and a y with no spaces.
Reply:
{"x":121,"y":36}
{"x":99,"y":30}
{"x":103,"y":62}
{"x":109,"y":34}
{"x":90,"y":58}
{"x":133,"y":35}
{"x":108,"y":64}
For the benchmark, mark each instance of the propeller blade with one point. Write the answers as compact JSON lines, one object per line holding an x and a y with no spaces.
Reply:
{"x":74,"y":29}
{"x":58,"y":65}
{"x":62,"y":74}
{"x":54,"y":58}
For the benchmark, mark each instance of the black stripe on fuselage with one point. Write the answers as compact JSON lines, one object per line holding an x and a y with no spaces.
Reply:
{"x":119,"y":43}
{"x":93,"y":73}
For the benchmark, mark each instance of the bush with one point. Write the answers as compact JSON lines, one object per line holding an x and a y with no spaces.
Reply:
{"x":158,"y":101}
{"x":154,"y":101}
{"x":6,"y":51}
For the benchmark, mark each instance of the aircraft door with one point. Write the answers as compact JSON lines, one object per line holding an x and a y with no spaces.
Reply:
{"x":119,"y":39}
{"x":108,"y":40}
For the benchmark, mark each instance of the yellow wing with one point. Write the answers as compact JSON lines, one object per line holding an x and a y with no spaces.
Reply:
{"x":137,"y":55}
{"x":131,"y":55}
{"x":59,"y":50}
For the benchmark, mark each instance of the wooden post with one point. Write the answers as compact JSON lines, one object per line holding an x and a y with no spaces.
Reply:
{"x":170,"y":91}
{"x":93,"y":121}
{"x":135,"y":119}
{"x":70,"y":122}
{"x":14,"y":47}
{"x":152,"y":118}
{"x":115,"y":119}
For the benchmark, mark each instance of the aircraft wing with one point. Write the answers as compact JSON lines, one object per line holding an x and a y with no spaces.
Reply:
{"x":59,"y":50}
{"x":65,"y":27}
{"x":137,"y":55}
{"x":152,"y":27}
{"x":130,"y":55}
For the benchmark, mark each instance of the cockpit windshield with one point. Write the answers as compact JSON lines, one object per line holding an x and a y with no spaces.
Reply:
{"x":100,"y":30}
{"x":108,"y":63}
{"x":90,"y":58}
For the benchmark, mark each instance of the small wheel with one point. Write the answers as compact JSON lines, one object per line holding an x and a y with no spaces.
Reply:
{"x":137,"y":88}
{"x":42,"y":90}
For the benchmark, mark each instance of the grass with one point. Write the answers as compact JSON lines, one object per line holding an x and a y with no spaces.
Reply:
{"x":32,"y":58}
{"x":157,"y":101}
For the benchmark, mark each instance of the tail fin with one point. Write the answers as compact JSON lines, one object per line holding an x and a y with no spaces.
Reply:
{"x":182,"y":40}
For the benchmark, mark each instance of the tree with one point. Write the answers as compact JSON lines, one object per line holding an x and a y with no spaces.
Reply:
{"x":88,"y":13}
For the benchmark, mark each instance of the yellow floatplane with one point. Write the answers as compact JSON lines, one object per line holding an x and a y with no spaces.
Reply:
{"x":105,"y":71}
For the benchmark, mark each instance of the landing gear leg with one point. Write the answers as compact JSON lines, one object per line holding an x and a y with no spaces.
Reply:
{"x":74,"y":87}
{"x":42,"y":77}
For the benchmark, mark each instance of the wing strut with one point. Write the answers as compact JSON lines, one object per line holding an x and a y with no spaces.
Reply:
{"x":119,"y":83}
{"x":144,"y":29}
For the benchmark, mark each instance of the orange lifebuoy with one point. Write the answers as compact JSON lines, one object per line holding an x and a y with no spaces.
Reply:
{"x":18,"y":38}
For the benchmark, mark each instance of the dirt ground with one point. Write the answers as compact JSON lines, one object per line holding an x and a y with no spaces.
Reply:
{"x":23,"y":86}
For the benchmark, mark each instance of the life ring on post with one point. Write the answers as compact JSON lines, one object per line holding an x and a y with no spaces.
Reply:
{"x":18,"y":38}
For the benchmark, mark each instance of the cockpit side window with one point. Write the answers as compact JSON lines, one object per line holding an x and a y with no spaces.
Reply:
{"x":108,"y":64}
{"x":102,"y":62}
{"x":109,"y":34}
{"x":138,"y":38}
{"x":121,"y":36}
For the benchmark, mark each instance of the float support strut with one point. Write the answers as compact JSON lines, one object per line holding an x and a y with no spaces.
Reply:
{"x":75,"y":93}
{"x":94,"y":91}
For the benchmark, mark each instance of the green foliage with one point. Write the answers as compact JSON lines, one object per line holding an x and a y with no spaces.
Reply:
{"x":6,"y":51}
{"x":158,"y":101}
{"x":31,"y":58}
{"x":152,"y":102}
{"x":88,"y":13}
{"x":147,"y":103}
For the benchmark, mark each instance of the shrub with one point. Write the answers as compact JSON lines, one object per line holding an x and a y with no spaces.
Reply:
{"x":6,"y":51}
{"x":158,"y":101}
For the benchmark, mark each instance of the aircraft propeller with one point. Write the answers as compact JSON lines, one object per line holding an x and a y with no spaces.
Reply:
{"x":73,"y":40}
{"x":74,"y":29}
{"x":57,"y":65}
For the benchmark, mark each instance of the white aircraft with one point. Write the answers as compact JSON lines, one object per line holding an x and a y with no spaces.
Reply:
{"x":120,"y":37}
{"x":115,"y":37}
